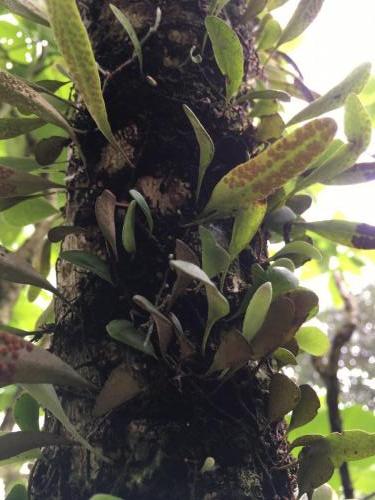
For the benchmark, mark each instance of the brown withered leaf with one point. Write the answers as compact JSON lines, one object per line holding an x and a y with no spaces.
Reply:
{"x":284,"y":396}
{"x":105,"y":207}
{"x":164,"y":327}
{"x":233,"y":352}
{"x":276,"y":328}
{"x":121,"y":386}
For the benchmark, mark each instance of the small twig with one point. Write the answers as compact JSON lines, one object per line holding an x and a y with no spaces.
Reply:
{"x":153,"y":29}
{"x":328,"y":371}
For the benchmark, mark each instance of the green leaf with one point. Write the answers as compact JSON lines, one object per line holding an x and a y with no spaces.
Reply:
{"x":124,"y":331}
{"x":13,"y":268}
{"x":357,"y":174}
{"x":306,"y":409}
{"x":14,"y":183}
{"x":46,"y":396}
{"x":15,"y":443}
{"x":128,"y":27}
{"x":274,"y":4}
{"x":142,"y":203}
{"x":29,"y":9}
{"x":254,"y":8}
{"x":24,"y":164}
{"x":102,"y":496}
{"x":18,"y":93}
{"x":18,"y":492}
{"x":304,"y":15}
{"x":121,"y":386}
{"x":257,"y":310}
{"x":313,"y":340}
{"x":206,"y":146}
{"x":315,"y":467}
{"x":128,"y":229}
{"x":48,"y":150}
{"x":336,"y":97}
{"x":26,"y":413}
{"x":246,"y":224}
{"x":218,"y":306}
{"x":300,"y":248}
{"x":282,"y":280}
{"x":13,"y":127}
{"x":228,"y":53}
{"x":284,"y":357}
{"x":105,"y":209}
{"x":270,"y":35}
{"x":264,"y":94}
{"x":259,"y":177}
{"x":74,"y":44}
{"x":24,"y":362}
{"x":351,"y":234}
{"x":284,"y":262}
{"x":29,"y":211}
{"x":357,"y":124}
{"x":284,"y":396}
{"x":270,"y":128}
{"x":216,"y":6}
{"x":350,"y":445}
{"x":88,"y":261}
{"x":215,"y":259}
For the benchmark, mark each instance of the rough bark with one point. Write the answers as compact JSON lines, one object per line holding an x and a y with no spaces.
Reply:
{"x":159,"y":441}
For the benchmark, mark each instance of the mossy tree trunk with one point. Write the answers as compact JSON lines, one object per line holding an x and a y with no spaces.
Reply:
{"x":159,"y":441}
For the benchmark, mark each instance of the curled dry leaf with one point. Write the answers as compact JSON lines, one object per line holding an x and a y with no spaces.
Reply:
{"x":121,"y":386}
{"x":105,"y":208}
{"x":233,"y":352}
{"x":24,"y":362}
{"x":183,"y":281}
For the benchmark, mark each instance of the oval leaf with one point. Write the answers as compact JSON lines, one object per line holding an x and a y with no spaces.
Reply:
{"x":48,"y":150}
{"x":228,"y":53}
{"x":26,"y":413}
{"x":313,"y":340}
{"x":245,"y":227}
{"x":215,"y":259}
{"x":284,"y":396}
{"x":298,"y":247}
{"x":306,"y":409}
{"x":124,"y":331}
{"x":128,"y":229}
{"x":257,"y":310}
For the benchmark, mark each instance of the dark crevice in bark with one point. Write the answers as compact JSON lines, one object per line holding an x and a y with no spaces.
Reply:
{"x":160,"y":440}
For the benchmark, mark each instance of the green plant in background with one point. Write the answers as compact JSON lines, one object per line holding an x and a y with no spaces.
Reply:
{"x":262,"y":198}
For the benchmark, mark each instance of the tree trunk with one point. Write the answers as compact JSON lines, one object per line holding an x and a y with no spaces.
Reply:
{"x":159,"y":441}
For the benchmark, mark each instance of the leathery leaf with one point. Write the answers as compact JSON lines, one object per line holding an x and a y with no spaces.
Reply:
{"x":74,"y":44}
{"x":218,"y":306}
{"x":228,"y":53}
{"x":351,"y":234}
{"x":259,"y":177}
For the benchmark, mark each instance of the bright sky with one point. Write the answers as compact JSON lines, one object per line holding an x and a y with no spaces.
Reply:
{"x":340,"y":38}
